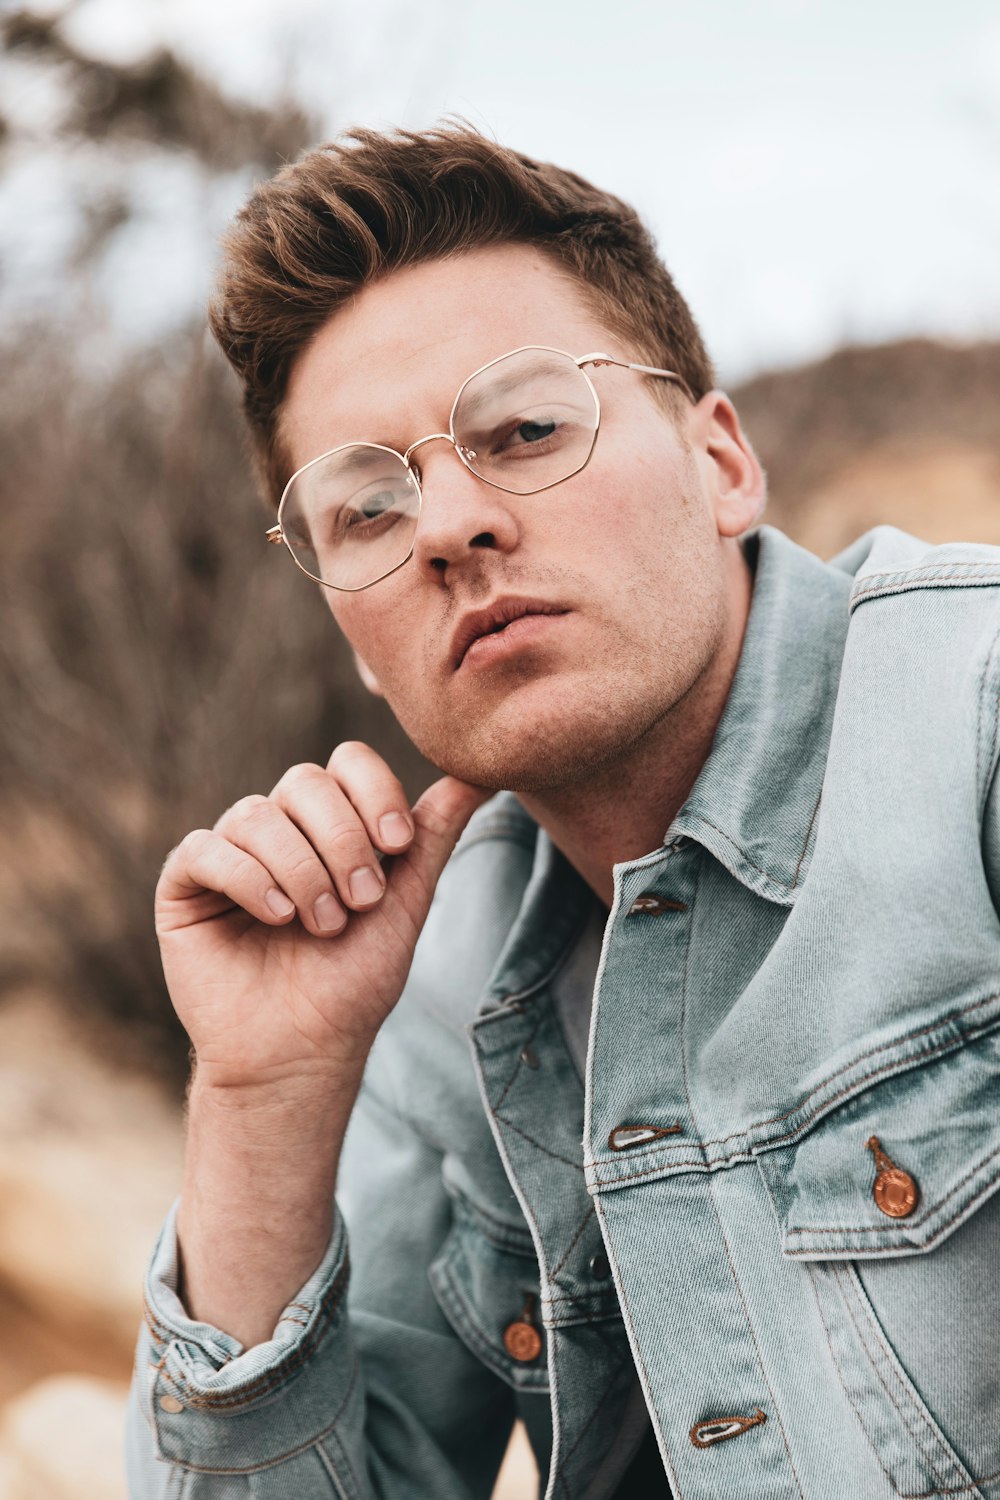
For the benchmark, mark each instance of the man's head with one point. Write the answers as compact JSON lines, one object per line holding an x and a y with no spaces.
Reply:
{"x":361,"y":288}
{"x":348,"y":214}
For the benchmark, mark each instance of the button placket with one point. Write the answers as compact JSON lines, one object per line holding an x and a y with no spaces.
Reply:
{"x":538,"y":1133}
{"x":638,"y":1012}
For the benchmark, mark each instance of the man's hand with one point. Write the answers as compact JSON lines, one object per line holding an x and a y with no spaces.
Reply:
{"x":285,"y":943}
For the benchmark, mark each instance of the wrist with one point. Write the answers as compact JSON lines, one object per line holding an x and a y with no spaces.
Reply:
{"x":265,"y":1121}
{"x":277,"y":1091}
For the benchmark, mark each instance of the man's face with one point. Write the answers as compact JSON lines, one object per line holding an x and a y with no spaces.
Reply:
{"x":623,"y":567}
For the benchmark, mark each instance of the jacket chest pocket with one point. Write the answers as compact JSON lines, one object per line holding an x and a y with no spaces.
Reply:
{"x":891,"y":1203}
{"x":486,"y":1282}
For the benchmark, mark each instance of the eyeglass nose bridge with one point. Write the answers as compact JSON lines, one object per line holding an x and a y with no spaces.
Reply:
{"x":465,"y":454}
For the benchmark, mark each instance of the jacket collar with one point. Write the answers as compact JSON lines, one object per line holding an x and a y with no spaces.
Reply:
{"x":755,"y":802}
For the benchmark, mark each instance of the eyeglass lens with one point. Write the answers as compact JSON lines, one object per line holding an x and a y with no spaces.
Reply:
{"x":524,"y":423}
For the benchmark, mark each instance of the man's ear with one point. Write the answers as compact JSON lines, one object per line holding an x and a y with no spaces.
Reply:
{"x":368,"y":677}
{"x":738,"y":483}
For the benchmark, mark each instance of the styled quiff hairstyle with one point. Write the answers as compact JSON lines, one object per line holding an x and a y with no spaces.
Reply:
{"x":350,"y":212}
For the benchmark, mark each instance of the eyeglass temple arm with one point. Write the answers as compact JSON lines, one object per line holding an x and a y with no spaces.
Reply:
{"x":606,"y":359}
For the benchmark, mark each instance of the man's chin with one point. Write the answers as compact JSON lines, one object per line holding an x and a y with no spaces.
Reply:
{"x":536,"y":758}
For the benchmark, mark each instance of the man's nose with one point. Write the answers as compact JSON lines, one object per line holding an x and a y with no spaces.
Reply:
{"x":460,"y":514}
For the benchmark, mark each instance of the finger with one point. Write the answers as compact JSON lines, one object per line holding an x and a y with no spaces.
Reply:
{"x":376,"y":794}
{"x":259,"y":826}
{"x":439,"y":817}
{"x":205,"y":862}
{"x":312,"y":798}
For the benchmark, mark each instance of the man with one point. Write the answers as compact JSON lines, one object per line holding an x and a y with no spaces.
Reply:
{"x":680,"y":1144}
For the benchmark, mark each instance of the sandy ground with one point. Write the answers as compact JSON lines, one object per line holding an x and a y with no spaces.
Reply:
{"x":89,"y":1160}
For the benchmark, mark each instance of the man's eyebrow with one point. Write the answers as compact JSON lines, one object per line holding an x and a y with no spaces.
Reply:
{"x":503,"y":386}
{"x":361,"y":456}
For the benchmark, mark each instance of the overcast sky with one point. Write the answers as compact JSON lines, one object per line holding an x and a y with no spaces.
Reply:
{"x":814,"y":172}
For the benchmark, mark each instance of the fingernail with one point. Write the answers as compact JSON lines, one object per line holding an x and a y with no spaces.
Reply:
{"x":330,"y":915}
{"x":394,"y":828}
{"x":279,"y":902}
{"x":365,"y":885}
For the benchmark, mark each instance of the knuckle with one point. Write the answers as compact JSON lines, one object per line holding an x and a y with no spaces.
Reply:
{"x":351,"y":839}
{"x":437,"y":825}
{"x":359,"y":763}
{"x":299,"y":775}
{"x":351,"y":750}
{"x":304,"y":867}
{"x":243,"y":813}
{"x":192,"y":844}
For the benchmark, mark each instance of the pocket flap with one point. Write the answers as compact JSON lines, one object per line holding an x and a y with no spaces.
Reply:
{"x":486,"y":1281}
{"x":937,"y":1124}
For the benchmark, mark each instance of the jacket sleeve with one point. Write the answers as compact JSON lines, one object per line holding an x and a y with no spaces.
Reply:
{"x":364,"y":1392}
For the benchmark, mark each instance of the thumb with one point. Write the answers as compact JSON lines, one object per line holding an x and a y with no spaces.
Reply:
{"x":439,"y":817}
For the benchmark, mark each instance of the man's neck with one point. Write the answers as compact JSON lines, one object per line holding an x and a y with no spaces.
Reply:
{"x":623,"y":812}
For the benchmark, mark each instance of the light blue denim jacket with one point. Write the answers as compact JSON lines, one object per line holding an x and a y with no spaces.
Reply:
{"x":814,"y":963}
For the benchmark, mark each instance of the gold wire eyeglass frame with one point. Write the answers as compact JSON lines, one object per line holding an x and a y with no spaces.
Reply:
{"x":466,"y":455}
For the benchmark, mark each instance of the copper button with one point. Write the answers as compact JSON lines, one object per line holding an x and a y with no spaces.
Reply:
{"x":171,"y":1404}
{"x":522,"y":1341}
{"x":895,"y":1191}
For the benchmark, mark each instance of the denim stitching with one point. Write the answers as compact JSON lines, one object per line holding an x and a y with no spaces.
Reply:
{"x":291,"y":1452}
{"x":463,"y":1313}
{"x":882,"y":583}
{"x":268,"y":1379}
{"x":572,"y":1244}
{"x":805,"y":846}
{"x":939,"y":1438}
{"x":515,"y":1240}
{"x":619,"y":1368}
{"x":637,"y":1354}
{"x":918,"y":1433}
{"x":753,"y":1335}
{"x":327,"y":1463}
{"x":741,"y":852}
{"x":684,"y":995}
{"x":577,"y":1166}
{"x":908,"y":1036}
{"x":519,"y":1064}
{"x":882,"y":1228}
{"x":843,"y":1385}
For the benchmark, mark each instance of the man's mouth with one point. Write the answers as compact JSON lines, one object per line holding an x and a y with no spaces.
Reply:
{"x":497,"y":619}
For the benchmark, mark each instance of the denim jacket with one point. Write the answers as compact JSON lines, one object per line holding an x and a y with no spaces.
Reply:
{"x":770,"y":1200}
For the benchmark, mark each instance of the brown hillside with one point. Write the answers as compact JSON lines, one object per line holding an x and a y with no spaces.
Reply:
{"x":905,"y":433}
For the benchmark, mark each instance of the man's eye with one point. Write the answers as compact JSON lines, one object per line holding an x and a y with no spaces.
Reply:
{"x":526,"y":432}
{"x":533,"y":432}
{"x":368,"y":507}
{"x":377,"y":504}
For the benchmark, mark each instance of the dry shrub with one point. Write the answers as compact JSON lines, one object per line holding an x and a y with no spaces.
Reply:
{"x":158,"y":660}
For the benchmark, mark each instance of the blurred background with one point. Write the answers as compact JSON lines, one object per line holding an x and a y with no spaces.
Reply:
{"x":823,"y":182}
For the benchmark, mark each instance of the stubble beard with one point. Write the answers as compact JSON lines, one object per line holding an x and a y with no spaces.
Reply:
{"x":609,"y":717}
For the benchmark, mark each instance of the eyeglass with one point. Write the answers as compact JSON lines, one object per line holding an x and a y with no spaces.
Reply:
{"x":522,"y":423}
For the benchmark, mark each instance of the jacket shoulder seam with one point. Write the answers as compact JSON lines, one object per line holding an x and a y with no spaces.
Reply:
{"x":944,"y":574}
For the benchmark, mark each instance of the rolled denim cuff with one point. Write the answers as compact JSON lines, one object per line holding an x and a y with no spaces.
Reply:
{"x":213,"y":1406}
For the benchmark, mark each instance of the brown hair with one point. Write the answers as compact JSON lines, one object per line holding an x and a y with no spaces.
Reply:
{"x":349,"y":212}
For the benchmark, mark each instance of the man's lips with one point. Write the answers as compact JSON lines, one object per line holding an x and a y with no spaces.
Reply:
{"x":493,"y":620}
